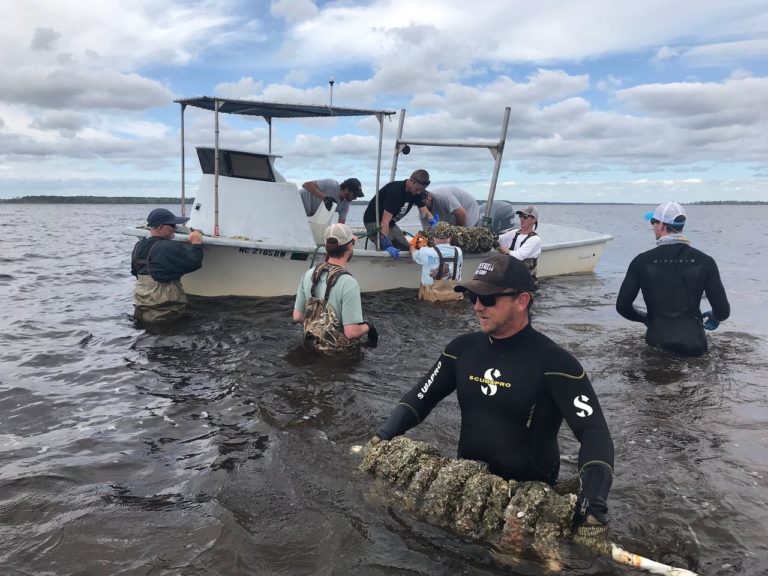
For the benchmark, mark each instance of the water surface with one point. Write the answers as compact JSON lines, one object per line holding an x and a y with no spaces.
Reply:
{"x":214,"y":447}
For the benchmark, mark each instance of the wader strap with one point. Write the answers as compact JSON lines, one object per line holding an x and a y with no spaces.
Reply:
{"x":137,"y":262}
{"x":334,"y":272}
{"x":514,"y":239}
{"x":455,"y":261}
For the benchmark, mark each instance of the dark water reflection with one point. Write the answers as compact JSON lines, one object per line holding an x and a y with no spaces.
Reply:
{"x":218,"y":447}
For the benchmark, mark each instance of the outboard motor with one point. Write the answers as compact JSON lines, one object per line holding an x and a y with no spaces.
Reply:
{"x":502,"y":215}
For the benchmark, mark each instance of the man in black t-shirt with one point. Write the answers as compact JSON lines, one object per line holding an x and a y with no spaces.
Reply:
{"x":394,"y":202}
{"x":515,"y":386}
{"x":673,"y":277}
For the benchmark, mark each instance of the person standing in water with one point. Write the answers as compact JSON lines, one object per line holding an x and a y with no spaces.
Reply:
{"x":673,"y":277}
{"x":159,"y":263}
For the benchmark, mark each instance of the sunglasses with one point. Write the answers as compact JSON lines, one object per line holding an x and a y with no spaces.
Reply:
{"x":490,"y":299}
{"x":654,"y":221}
{"x":424,"y":183}
{"x":525,"y":216}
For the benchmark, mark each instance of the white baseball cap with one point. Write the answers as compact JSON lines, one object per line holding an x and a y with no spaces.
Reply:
{"x":670,"y":213}
{"x":339,"y":232}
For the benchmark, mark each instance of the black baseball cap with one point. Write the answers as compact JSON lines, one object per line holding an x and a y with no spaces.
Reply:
{"x":160,"y":216}
{"x":496,"y":274}
{"x":354,"y":186}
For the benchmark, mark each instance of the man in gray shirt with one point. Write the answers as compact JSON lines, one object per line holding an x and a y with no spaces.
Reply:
{"x":330,"y":192}
{"x":453,"y":205}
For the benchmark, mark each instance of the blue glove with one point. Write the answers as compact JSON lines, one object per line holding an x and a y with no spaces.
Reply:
{"x":434,"y":220}
{"x":394,"y":252}
{"x":384,"y":242}
{"x":709,"y":321}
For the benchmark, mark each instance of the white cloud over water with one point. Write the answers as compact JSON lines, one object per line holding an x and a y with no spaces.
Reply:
{"x":609,"y":101}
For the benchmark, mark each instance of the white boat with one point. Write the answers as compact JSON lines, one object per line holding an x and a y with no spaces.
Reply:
{"x":258,"y":240}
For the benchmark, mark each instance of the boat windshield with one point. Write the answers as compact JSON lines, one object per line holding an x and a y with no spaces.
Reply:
{"x":234,"y":164}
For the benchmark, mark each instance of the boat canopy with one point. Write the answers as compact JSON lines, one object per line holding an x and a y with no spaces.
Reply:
{"x":274,"y":109}
{"x":268,"y":111}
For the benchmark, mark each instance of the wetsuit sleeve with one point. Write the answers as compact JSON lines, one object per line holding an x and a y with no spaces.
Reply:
{"x":419,"y":401}
{"x":715,"y":291}
{"x":569,"y":386}
{"x":627,"y":294}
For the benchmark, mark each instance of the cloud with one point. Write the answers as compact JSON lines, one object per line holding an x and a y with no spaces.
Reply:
{"x":81,"y":89}
{"x":593,"y":88}
{"x":115,"y":34}
{"x":44,"y":39}
{"x":735,"y":101}
{"x":664,"y":54}
{"x":727,"y":53}
{"x":293,"y":10}
{"x":242,"y":89}
{"x":65,"y":122}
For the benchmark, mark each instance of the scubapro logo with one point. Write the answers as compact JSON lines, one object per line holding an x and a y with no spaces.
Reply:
{"x":492,"y":374}
{"x":581,"y":402}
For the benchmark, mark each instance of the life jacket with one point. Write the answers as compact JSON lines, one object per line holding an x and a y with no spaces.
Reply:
{"x":530,"y":263}
{"x":441,"y":290}
{"x":323,"y":331}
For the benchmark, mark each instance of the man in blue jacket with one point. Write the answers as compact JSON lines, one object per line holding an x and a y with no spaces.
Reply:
{"x":159,"y":263}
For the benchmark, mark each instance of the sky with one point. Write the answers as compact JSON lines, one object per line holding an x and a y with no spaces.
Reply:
{"x":609,"y":101}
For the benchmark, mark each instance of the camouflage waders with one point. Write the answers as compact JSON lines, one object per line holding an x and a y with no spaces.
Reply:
{"x":323,"y":331}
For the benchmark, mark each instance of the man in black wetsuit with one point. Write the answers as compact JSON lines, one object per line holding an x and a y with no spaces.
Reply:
{"x":395,"y":201}
{"x":515,"y":386}
{"x":159,"y":263}
{"x":672,"y":277}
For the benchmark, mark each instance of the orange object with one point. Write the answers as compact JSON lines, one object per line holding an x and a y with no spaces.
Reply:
{"x":418,"y":242}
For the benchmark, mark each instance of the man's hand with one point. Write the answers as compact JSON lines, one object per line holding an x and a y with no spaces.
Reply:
{"x":329,"y":202}
{"x":392,"y":251}
{"x":418,"y":241}
{"x":593,"y":534}
{"x":373,"y":337}
{"x":434,"y":220}
{"x":195,"y":237}
{"x":710,"y":322}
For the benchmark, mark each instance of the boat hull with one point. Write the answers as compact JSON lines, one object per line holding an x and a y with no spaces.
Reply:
{"x":243,"y":268}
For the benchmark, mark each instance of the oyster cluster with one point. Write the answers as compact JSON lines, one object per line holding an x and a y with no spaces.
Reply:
{"x":475,"y":240}
{"x":463,"y":496}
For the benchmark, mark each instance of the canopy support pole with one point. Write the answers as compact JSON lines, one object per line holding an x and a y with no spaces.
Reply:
{"x":216,"y":106}
{"x":183,"y":189}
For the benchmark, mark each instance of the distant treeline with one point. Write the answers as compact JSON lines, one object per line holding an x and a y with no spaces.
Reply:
{"x":91,"y":200}
{"x":720,"y":202}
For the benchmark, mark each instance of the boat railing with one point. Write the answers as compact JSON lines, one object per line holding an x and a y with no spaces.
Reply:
{"x":496,"y":148}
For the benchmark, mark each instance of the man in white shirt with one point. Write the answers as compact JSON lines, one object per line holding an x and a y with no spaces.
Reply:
{"x":523,"y":243}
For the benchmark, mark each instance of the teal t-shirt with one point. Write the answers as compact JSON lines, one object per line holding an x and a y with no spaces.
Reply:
{"x":344,"y":297}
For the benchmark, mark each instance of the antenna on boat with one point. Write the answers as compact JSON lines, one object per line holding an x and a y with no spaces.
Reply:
{"x":331,"y":82}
